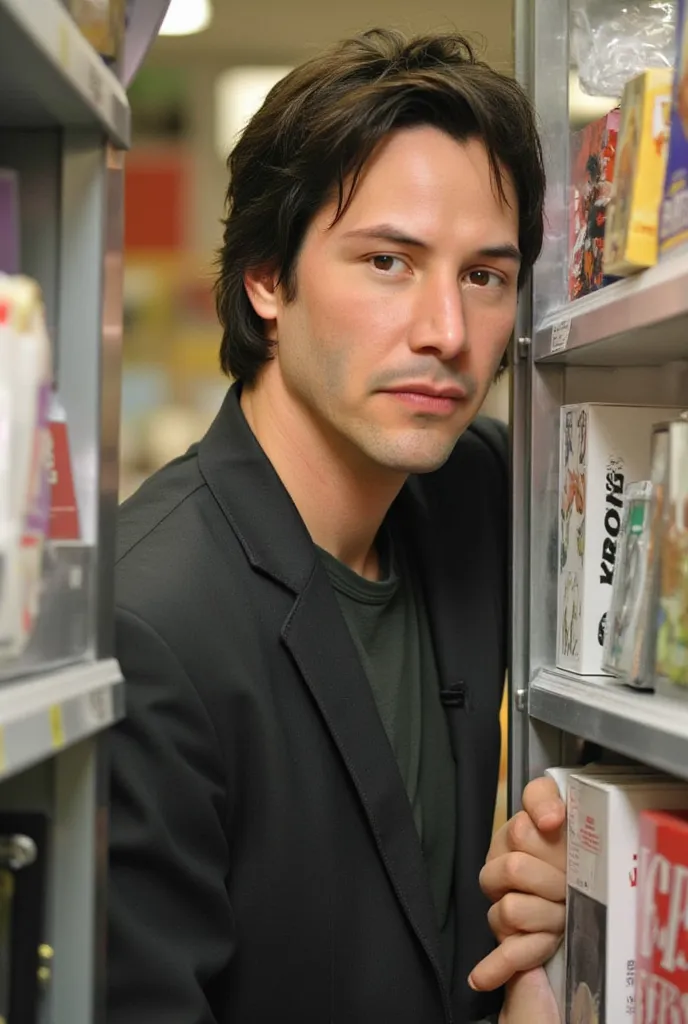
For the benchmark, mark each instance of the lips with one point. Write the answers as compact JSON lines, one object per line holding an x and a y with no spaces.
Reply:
{"x":428,"y":400}
{"x":452,"y":392}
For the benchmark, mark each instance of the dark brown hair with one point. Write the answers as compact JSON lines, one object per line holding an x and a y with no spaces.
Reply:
{"x":313,"y":135}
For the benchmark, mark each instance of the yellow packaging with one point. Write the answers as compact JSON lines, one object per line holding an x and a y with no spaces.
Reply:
{"x":102,"y":23}
{"x":630,"y":242}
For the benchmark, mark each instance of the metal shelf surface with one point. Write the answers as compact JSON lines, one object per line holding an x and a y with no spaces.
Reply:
{"x":50,"y":75}
{"x":644,"y":726}
{"x":640,"y":321}
{"x":39,"y":716}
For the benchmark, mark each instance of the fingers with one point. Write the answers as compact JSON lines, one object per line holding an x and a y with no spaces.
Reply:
{"x":544,"y":805}
{"x":522,"y":836}
{"x":517,"y":953}
{"x":517,"y":912}
{"x":520,"y":873}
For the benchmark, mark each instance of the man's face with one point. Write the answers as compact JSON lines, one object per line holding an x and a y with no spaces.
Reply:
{"x":404,"y":307}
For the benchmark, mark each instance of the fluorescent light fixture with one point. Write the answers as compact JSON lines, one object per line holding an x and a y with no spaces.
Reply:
{"x":239,"y":93}
{"x":185,"y":17}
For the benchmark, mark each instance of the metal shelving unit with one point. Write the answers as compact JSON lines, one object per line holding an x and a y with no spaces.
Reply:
{"x":625,"y":343}
{"x":64,"y":123}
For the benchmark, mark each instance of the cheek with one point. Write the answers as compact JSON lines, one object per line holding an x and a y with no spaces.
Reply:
{"x":489,"y":332}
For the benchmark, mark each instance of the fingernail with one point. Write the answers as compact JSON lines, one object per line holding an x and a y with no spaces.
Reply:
{"x":471,"y":983}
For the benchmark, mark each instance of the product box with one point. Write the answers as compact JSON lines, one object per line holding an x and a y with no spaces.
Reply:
{"x":102,"y":23}
{"x":602,"y":449}
{"x":593,"y":152}
{"x":630,"y":241}
{"x":662,"y":919}
{"x":602,"y":873}
{"x":672,"y":618}
{"x":673,"y":223}
{"x":555,"y":967}
{"x":9,"y":222}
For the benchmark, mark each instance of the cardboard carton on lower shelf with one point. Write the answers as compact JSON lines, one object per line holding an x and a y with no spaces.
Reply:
{"x":662,"y":919}
{"x":602,"y":449}
{"x":602,"y":872}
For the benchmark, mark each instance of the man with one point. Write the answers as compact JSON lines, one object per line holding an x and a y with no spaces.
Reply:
{"x":312,"y":603}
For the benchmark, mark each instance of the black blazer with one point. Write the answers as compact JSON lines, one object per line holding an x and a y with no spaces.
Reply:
{"x":265,"y":867}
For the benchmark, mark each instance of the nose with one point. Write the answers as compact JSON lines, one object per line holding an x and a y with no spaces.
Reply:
{"x":439,"y":325}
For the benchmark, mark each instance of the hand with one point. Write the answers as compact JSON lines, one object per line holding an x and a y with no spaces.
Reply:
{"x":525,"y":879}
{"x":530,"y":1000}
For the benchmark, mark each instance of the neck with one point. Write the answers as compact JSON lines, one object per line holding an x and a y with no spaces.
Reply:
{"x":341,"y":497}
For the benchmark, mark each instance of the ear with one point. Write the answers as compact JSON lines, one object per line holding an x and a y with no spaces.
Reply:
{"x":262,"y":289}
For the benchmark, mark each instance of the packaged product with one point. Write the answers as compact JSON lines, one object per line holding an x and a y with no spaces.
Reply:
{"x":25,"y":387}
{"x":661,"y":995}
{"x":556,"y":965}
{"x":102,"y":22}
{"x":631,"y":611}
{"x":593,"y":153}
{"x":602,"y":875}
{"x":603,"y":448}
{"x":633,"y":213}
{"x":673,"y":224}
{"x":672,"y":632}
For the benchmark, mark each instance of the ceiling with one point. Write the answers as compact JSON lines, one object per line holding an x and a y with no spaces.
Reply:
{"x":285,"y":31}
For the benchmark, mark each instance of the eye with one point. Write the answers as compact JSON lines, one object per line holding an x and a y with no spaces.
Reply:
{"x":387,"y":264}
{"x":484,"y":279}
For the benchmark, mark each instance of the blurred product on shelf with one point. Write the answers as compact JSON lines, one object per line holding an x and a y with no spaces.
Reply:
{"x":593,"y":152}
{"x":46,"y":570}
{"x":601,"y":906}
{"x":612,"y":42}
{"x":102,"y":23}
{"x":673,"y":230}
{"x":662,"y":918}
{"x":602,"y":449}
{"x":25,"y":383}
{"x":64,"y":512}
{"x":630,"y":242}
{"x":672,"y":633}
{"x":629,"y":622}
{"x":9,"y":222}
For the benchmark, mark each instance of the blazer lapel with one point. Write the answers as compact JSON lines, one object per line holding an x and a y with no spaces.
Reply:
{"x":277,"y":544}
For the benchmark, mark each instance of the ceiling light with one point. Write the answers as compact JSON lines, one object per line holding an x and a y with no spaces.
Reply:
{"x":185,"y":17}
{"x":239,"y":93}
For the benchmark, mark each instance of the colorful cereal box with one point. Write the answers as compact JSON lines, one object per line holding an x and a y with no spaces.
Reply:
{"x":630,"y":242}
{"x":673,"y":229}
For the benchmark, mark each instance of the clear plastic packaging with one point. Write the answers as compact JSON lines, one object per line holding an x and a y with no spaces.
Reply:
{"x":630,"y":623}
{"x":613,"y":41}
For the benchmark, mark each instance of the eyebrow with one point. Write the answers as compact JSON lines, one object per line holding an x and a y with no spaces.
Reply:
{"x":388,"y":233}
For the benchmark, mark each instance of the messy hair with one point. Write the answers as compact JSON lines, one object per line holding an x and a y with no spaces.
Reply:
{"x":312,"y":138}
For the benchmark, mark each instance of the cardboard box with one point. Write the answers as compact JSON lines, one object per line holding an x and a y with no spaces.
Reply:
{"x":673,"y":225}
{"x":602,"y":449}
{"x":602,"y":870}
{"x":632,"y":226}
{"x":662,"y":919}
{"x":593,"y":152}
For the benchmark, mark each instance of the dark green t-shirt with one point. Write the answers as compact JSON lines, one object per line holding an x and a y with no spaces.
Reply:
{"x":388,"y":623}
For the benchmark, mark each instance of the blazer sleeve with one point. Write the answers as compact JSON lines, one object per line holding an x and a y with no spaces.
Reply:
{"x":171,"y":934}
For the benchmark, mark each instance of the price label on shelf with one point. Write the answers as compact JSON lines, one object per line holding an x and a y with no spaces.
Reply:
{"x":57,"y":733}
{"x":560,"y":336}
{"x":99,"y":708}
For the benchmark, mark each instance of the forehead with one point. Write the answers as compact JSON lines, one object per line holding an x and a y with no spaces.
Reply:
{"x":434,"y":187}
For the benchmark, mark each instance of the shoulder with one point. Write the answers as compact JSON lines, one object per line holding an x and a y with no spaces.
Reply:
{"x":163,"y":495}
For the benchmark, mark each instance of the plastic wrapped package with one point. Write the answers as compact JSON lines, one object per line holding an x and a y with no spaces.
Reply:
{"x":613,"y":41}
